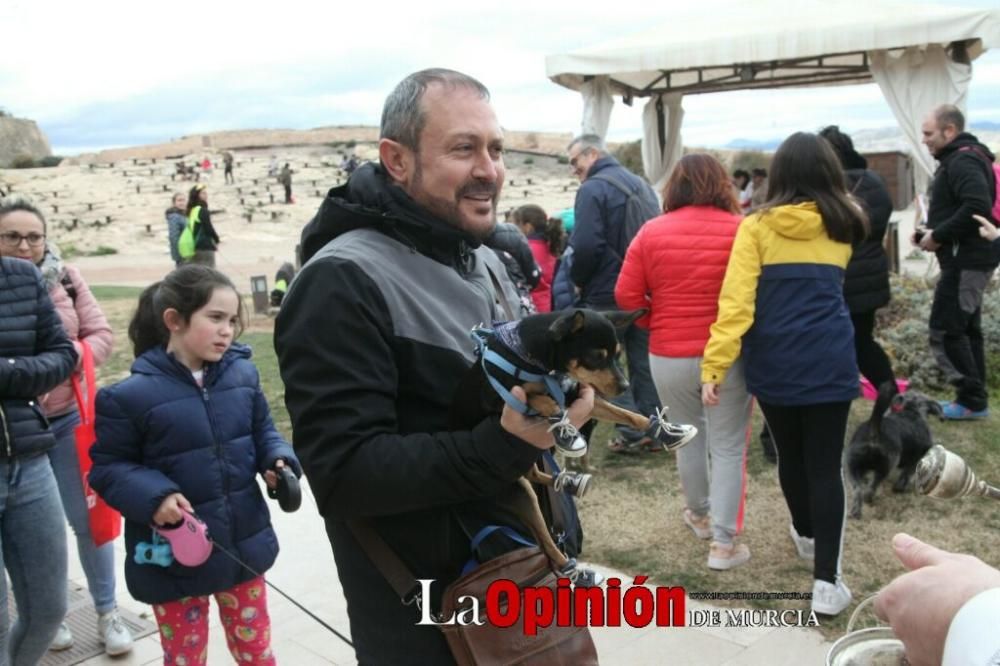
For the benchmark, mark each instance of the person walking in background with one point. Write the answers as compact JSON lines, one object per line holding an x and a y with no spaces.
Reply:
{"x":189,"y":431}
{"x":285,"y":178}
{"x":866,"y":281}
{"x":176,"y":221}
{"x":37,"y":357}
{"x":206,"y":240}
{"x":546,"y":239}
{"x":782,"y":310}
{"x":227,"y":160}
{"x":675,"y":267}
{"x":741,"y":183}
{"x":964,"y":185}
{"x":84,"y":323}
{"x":758,"y":188}
{"x":599,"y":241}
{"x":513,"y":249}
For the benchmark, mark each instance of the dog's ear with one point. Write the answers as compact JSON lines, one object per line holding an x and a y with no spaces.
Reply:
{"x":622,"y":319}
{"x":569,"y":323}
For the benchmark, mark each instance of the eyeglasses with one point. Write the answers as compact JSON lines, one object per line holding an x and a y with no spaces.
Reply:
{"x":13,"y":239}
{"x":576,"y":158}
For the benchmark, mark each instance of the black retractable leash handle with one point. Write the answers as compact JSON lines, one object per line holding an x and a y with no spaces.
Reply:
{"x":279,"y":591}
{"x":288,"y":492}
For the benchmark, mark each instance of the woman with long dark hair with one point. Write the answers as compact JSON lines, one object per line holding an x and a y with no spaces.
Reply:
{"x":546,"y":239}
{"x":782,"y":311}
{"x":674,"y":267}
{"x":866,"y":282}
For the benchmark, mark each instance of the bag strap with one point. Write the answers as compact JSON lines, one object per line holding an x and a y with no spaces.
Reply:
{"x":85,"y":404}
{"x":396,"y":573}
{"x":629,"y":193}
{"x":500,"y":296}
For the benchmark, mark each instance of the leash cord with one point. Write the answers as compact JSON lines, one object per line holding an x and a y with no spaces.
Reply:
{"x":278,"y":590}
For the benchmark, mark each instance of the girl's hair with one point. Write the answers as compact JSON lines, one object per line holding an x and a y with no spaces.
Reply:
{"x":744,"y":174}
{"x":805,"y":168}
{"x":551,"y":228}
{"x":193,"y":197}
{"x":699,"y":180}
{"x":15,"y":202}
{"x":186,"y":289}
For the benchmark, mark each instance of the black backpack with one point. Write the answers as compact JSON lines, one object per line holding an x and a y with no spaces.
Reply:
{"x":640,"y":206}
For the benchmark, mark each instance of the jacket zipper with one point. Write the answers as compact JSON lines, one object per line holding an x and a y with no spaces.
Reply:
{"x":6,"y":433}
{"x":219,"y":456}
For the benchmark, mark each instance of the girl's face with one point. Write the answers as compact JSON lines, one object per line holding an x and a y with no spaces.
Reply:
{"x":180,"y":201}
{"x":208,"y":335}
{"x":203,"y":195}
{"x":22,"y":235}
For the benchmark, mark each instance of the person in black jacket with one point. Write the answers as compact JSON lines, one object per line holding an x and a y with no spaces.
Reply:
{"x":35,"y":357}
{"x":964,"y":185}
{"x":372,"y":342}
{"x":866,"y":281}
{"x":206,"y":241}
{"x":513,"y":250}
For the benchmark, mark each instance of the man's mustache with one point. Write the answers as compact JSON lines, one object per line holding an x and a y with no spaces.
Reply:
{"x":478,"y":188}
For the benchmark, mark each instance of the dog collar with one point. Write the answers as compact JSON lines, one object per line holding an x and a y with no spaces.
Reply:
{"x":489,"y":358}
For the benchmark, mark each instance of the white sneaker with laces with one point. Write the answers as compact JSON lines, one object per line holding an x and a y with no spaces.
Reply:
{"x":113,"y":633}
{"x":830,"y":599}
{"x":63,"y":639}
{"x":806,"y":546}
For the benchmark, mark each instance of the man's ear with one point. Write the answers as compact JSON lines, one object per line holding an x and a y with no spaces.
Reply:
{"x":569,"y":323}
{"x":398,"y":160}
{"x":623,"y":320}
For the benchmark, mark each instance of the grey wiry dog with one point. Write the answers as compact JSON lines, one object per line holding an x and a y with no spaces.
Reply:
{"x":895,"y":437}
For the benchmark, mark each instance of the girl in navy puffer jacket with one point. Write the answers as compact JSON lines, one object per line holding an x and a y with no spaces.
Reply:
{"x":191,"y":429}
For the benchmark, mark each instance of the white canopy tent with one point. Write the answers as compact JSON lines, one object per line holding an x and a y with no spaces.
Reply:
{"x":919,"y":55}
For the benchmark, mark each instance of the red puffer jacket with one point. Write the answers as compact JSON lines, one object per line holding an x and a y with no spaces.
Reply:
{"x":674,"y":267}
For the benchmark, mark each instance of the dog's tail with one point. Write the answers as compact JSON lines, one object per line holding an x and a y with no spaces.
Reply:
{"x":886,"y":392}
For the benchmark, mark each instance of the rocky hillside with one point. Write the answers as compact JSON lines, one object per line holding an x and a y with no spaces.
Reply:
{"x":19,"y":136}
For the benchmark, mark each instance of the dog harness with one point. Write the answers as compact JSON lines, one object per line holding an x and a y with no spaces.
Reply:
{"x":507,"y":334}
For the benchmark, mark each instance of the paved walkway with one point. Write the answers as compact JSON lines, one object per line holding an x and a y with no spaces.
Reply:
{"x":306,"y":571}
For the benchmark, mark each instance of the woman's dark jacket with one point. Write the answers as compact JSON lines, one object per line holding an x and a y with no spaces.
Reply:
{"x":159,"y":433}
{"x":35,"y":357}
{"x":205,"y":237}
{"x":866,"y":281}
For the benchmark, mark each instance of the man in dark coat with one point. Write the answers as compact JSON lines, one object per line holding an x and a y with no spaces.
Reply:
{"x":373,"y":341}
{"x":964,"y":185}
{"x":599,"y":242}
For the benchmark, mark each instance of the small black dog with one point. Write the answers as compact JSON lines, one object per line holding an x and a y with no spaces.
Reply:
{"x":579,"y":346}
{"x":895,"y":437}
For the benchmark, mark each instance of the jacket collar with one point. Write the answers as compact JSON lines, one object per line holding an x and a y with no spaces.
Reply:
{"x":603,"y":163}
{"x":157,"y":361}
{"x":369,"y":200}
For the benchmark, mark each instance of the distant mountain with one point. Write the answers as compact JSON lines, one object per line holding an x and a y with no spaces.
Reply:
{"x":985,"y":126}
{"x":751,"y":144}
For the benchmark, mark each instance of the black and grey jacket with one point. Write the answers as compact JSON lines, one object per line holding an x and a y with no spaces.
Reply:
{"x":372,"y":340}
{"x":35,"y":357}
{"x":963,"y":185}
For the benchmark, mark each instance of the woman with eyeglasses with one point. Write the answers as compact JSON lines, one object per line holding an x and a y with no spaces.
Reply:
{"x":35,"y":357}
{"x":23,"y":236}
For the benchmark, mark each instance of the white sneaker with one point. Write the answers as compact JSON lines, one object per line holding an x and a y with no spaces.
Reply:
{"x":806,"y":546}
{"x":63,"y":639}
{"x":830,"y":599}
{"x":702,"y":527}
{"x":723,"y":556}
{"x":113,"y":633}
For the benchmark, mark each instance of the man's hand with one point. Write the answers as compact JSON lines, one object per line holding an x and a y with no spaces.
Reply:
{"x":928,"y":243}
{"x":535,"y":431}
{"x":987,"y":229}
{"x":170,"y":509}
{"x":921,"y":604}
{"x":710,"y":394}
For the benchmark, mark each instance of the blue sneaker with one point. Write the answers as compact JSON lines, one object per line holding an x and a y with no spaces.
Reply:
{"x":952,"y":411}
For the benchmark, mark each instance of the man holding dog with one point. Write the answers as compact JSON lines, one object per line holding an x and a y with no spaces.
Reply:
{"x":963,"y":186}
{"x":372,"y":340}
{"x":599,"y":242}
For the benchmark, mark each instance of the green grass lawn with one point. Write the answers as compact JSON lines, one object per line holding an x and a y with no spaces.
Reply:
{"x":632,"y":512}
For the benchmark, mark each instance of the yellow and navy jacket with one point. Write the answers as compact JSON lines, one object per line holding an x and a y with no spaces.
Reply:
{"x":782,"y":307}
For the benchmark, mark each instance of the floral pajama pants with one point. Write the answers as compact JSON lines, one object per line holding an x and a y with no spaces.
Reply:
{"x":183,"y":626}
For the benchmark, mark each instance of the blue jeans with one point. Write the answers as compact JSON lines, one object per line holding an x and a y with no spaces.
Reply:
{"x":98,"y":562}
{"x":641,"y":395}
{"x":34,"y":553}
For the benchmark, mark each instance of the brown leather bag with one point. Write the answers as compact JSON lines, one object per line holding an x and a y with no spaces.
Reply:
{"x":488,"y":644}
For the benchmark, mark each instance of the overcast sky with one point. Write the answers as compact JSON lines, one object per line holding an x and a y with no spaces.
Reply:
{"x":119,"y":72}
